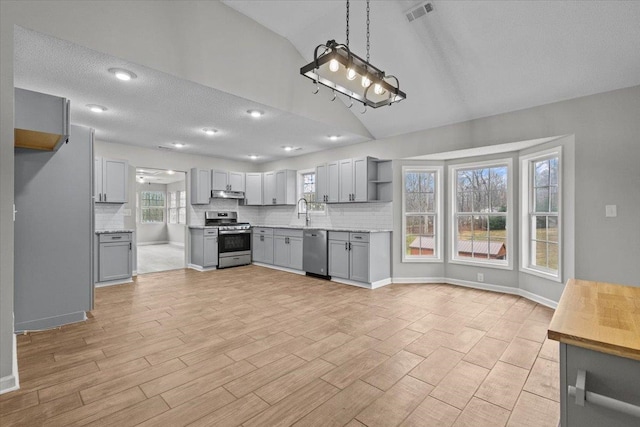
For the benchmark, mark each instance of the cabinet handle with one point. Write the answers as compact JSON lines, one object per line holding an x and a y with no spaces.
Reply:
{"x":357,"y":237}
{"x":129,"y":245}
{"x":116,"y":237}
{"x":346,"y":246}
{"x":349,"y":245}
{"x":262,"y":238}
{"x":105,"y":197}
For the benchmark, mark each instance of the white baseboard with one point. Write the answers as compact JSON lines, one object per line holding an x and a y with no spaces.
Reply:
{"x":11,"y":382}
{"x":177,"y":244}
{"x":199,"y":268}
{"x":381,"y":283}
{"x":160,"y":242}
{"x":479,"y":285}
{"x":113,"y":282}
{"x":277,"y":267}
{"x":351,"y":282}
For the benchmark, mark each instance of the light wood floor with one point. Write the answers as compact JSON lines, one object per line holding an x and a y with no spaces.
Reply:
{"x":257,"y":347}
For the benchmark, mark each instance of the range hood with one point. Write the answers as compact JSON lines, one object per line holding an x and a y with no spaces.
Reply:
{"x":222,"y":194}
{"x":41,"y":120}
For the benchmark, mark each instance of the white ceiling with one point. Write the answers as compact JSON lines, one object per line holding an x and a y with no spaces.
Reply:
{"x":464,"y":60}
{"x":157,"y":109}
{"x":159,"y":176}
{"x":471,"y":59}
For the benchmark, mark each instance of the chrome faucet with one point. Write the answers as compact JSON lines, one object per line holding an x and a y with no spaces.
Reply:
{"x":306,"y":210}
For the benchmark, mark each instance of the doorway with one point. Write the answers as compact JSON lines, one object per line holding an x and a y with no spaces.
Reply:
{"x":161,"y":216}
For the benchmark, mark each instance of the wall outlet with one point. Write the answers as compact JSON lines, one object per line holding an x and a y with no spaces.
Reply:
{"x":480,"y":277}
{"x":611,"y":211}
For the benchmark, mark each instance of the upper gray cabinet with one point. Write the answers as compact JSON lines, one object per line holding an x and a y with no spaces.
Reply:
{"x":363,"y":179}
{"x":41,"y":120}
{"x":110,"y":180}
{"x":253,"y":189}
{"x":279,"y":187}
{"x":227,"y":181}
{"x":200,"y":186}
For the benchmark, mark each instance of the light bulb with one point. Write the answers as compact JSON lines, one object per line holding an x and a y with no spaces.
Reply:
{"x":365,"y":81}
{"x":378,"y":89}
{"x":351,"y":74}
{"x":170,"y":172}
{"x":123,"y":76}
{"x":334,"y":65}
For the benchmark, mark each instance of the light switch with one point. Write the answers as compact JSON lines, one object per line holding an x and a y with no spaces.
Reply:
{"x":611,"y":210}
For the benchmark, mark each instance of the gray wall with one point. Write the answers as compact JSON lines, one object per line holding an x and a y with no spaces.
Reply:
{"x":151,"y":233}
{"x":176,"y":232}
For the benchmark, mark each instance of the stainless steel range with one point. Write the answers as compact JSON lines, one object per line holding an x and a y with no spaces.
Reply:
{"x":234,"y":238}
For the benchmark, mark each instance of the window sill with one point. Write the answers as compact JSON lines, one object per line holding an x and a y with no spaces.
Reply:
{"x":422,"y":260}
{"x":481,"y":264}
{"x":549,"y":276}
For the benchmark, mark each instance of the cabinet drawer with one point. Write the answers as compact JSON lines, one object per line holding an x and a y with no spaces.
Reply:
{"x":263,"y":231}
{"x":359,"y":237}
{"x":115,"y":237}
{"x":339,"y":235}
{"x":287,"y":232}
{"x":210,"y":231}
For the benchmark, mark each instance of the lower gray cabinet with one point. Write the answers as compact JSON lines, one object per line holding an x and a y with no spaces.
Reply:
{"x":262,"y":245}
{"x":361,"y":257}
{"x":114,"y":256}
{"x":287,"y":248}
{"x":204,"y":247}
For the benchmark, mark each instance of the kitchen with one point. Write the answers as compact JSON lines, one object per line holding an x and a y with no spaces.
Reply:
{"x":282,"y":222}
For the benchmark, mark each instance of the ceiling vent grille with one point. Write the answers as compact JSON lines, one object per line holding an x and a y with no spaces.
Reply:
{"x":419,"y":11}
{"x":163,"y":147}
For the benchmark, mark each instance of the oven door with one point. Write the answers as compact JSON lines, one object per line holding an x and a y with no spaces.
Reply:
{"x":234,"y":242}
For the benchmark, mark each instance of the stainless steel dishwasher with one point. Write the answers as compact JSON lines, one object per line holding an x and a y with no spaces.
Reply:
{"x":314,"y":253}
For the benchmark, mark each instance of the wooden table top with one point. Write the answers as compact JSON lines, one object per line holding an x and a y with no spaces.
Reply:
{"x":599,"y":316}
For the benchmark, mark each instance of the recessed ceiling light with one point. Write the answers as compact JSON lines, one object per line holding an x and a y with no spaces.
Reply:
{"x":334,"y":137}
{"x":122,"y":74}
{"x":255,"y":113}
{"x":170,"y":172}
{"x":287,"y":148}
{"x":210,"y":131}
{"x":253,"y":156}
{"x":178,"y":145}
{"x":97,"y":108}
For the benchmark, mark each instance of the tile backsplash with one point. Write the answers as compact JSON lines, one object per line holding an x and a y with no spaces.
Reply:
{"x":369,"y":216}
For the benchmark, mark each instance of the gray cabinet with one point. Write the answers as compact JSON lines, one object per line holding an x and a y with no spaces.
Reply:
{"x":227,"y":181}
{"x":327,"y":182}
{"x":253,"y":189}
{"x":41,"y":120}
{"x":262,"y":245}
{"x":200,"y":186}
{"x":287,"y":248}
{"x":204,"y":247}
{"x":280,"y":187}
{"x":362,"y":179}
{"x":114,"y":256}
{"x":110,"y":180}
{"x":345,"y":193}
{"x":361,"y":257}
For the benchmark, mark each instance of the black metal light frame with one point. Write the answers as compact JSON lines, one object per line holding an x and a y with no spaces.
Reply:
{"x":342,"y":54}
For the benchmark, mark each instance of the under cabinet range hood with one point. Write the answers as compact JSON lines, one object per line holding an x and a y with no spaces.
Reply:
{"x":41,"y":120}
{"x":225,"y":194}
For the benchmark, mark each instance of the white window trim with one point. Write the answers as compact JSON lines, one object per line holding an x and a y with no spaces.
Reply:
{"x":439,"y":228}
{"x":508,"y":265}
{"x":301,"y":191}
{"x":526,"y":200}
{"x":164,"y":207}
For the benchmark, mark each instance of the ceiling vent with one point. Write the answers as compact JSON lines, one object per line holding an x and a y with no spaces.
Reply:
{"x":418,"y":12}
{"x":164,"y":147}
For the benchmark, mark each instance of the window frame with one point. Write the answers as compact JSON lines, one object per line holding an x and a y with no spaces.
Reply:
{"x":526,"y":213}
{"x":303,"y":207}
{"x":438,"y":200}
{"x":163,"y":208}
{"x":178,"y":207}
{"x":453,"y":258}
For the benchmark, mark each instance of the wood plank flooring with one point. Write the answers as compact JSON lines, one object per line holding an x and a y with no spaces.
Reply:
{"x":253,"y":346}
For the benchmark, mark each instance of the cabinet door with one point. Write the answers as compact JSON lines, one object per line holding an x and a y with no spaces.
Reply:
{"x":359,"y":261}
{"x":346,"y":180}
{"x":321,"y":183}
{"x":114,"y":261}
{"x":269,"y":188}
{"x":295,"y":253}
{"x":210,"y":251}
{"x":333,"y":182}
{"x":97,"y":179}
{"x":360,"y":182}
{"x":114,"y":180}
{"x":236,"y":181}
{"x":280,"y":251}
{"x":257,"y":250}
{"x":253,"y":192}
{"x":268,"y":250}
{"x":281,"y":187}
{"x":338,"y":259}
{"x":204,"y":186}
{"x":219,"y":180}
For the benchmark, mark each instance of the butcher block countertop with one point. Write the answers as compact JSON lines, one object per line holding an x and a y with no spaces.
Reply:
{"x":599,"y":316}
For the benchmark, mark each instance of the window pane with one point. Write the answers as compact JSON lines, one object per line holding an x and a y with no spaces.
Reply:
{"x":540,"y":254}
{"x":465,"y":201}
{"x":480,"y":201}
{"x":412,"y":202}
{"x":553,"y":199}
{"x":182,"y":216}
{"x":540,"y":227}
{"x":542,"y":200}
{"x":552,"y":230}
{"x":553,"y":169}
{"x":553,"y":256}
{"x":498,"y":201}
{"x":183,"y":199}
{"x":173,"y":216}
{"x":541,"y":173}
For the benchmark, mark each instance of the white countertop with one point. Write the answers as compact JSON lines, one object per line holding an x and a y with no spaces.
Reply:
{"x":311,"y":227}
{"x":122,"y":230}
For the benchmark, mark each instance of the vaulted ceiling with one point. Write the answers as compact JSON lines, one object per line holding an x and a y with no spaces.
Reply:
{"x":471,"y":59}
